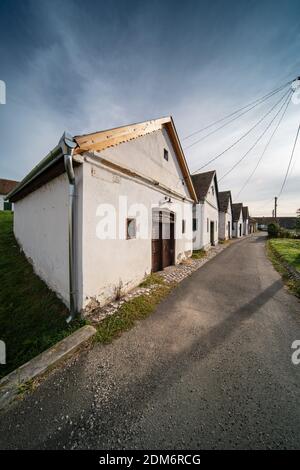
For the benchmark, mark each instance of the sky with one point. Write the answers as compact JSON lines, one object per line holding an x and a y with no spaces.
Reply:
{"x":83,"y":66}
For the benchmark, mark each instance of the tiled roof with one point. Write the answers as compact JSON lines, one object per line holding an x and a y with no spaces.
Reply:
{"x":224,"y":198}
{"x":202,"y":182}
{"x":7,"y":185}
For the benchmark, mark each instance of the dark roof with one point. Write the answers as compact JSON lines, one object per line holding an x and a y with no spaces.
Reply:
{"x":202,"y":182}
{"x":7,"y":185}
{"x":224,"y":199}
{"x":286,"y":222}
{"x":236,"y":211}
{"x":245,"y":212}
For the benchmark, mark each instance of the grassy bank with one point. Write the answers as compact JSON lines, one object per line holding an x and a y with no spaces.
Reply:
{"x":32,"y":318}
{"x":287,"y":250}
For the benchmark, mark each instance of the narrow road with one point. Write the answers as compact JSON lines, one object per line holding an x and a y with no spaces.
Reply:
{"x":211,"y":368}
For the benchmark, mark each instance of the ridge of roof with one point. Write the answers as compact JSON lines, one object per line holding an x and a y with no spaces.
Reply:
{"x":236,"y":210}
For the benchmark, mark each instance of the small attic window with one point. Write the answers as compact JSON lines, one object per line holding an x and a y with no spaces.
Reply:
{"x":166,"y":154}
{"x":213,"y":190}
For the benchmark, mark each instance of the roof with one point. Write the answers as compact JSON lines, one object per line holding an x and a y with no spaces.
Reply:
{"x":7,"y":185}
{"x":202,"y":182}
{"x":245,"y":212}
{"x":236,"y":211}
{"x":224,"y":199}
{"x":52,"y":165}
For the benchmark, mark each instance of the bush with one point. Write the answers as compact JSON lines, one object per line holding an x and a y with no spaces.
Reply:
{"x":273,"y":230}
{"x":284,"y":233}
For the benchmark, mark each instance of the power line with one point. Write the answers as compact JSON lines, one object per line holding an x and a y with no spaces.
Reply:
{"x":258,"y":100}
{"x":244,"y":135}
{"x":287,"y":102}
{"x":290,"y":161}
{"x":257,"y":140}
{"x":226,"y":123}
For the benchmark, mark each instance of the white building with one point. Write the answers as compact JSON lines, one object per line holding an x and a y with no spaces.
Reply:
{"x":245,"y":220}
{"x":5,"y":187}
{"x":237,"y":220}
{"x":206,"y":211}
{"x":225,"y":215}
{"x":103,"y":210}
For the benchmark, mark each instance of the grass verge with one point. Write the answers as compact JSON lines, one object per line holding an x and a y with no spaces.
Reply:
{"x":32,"y":318}
{"x":129,"y":312}
{"x":276,"y":258}
{"x":288,"y":249}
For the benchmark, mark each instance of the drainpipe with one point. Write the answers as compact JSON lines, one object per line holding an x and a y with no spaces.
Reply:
{"x":68,"y":145}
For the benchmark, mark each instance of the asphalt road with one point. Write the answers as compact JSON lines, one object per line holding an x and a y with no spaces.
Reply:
{"x":211,"y":368}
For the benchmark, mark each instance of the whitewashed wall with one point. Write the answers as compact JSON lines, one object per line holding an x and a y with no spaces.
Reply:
{"x":246,"y":227}
{"x":112,"y":263}
{"x":225,"y":220}
{"x":2,"y":202}
{"x":41,"y":228}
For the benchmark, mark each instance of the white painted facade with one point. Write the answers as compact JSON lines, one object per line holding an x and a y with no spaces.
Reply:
{"x":104,"y":266}
{"x":237,"y":227}
{"x":206,"y":214}
{"x":225,"y":223}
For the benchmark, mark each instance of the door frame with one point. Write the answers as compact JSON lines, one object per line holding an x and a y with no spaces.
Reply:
{"x":212,"y":233}
{"x":163,"y":215}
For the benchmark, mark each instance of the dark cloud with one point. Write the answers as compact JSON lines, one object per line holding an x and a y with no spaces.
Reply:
{"x":82,"y":66}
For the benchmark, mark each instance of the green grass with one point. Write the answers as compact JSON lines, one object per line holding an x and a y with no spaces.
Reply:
{"x":151,"y":280}
{"x":288,"y":249}
{"x":32,"y":318}
{"x":129,"y":312}
{"x":276,"y":254}
{"x":198,"y":254}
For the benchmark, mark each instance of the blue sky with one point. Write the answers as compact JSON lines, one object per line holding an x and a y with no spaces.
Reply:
{"x":84,"y":66}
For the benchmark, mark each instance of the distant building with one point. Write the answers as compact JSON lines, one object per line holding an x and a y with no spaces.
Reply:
{"x":285,"y":222}
{"x":252,"y":225}
{"x":5,"y":187}
{"x":237,"y":220}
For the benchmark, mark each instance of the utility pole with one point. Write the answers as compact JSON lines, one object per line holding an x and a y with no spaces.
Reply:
{"x":275,"y":208}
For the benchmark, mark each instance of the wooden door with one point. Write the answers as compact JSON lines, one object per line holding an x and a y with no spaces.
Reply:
{"x":163,"y":240}
{"x":156,"y":242}
{"x":212,"y":233}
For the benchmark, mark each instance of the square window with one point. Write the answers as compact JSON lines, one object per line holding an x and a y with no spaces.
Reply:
{"x":166,"y":154}
{"x":130,"y":229}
